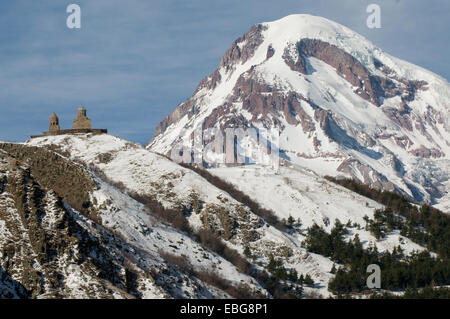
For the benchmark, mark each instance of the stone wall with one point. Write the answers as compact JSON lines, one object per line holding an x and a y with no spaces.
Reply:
{"x":73,"y":131}
{"x":81,"y":123}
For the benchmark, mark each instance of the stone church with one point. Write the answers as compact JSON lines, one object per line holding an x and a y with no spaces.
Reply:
{"x":81,"y":124}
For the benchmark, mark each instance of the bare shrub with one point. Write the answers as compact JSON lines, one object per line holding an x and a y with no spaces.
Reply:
{"x":242,"y":291}
{"x":180,"y":262}
{"x":173,"y":216}
{"x":211,"y":241}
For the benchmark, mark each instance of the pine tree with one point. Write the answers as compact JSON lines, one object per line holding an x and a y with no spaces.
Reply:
{"x":272,"y":265}
{"x":309,"y":281}
{"x":293,"y":275}
{"x":301,"y":280}
{"x":290,"y":221}
{"x":299,"y":223}
{"x":366,"y":219}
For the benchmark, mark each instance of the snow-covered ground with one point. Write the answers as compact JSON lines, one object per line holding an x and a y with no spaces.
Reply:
{"x":300,"y":193}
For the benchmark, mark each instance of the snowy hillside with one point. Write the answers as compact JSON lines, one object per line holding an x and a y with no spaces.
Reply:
{"x":302,"y":194}
{"x":122,"y":254}
{"x":295,"y":192}
{"x":342,"y":106}
{"x":49,"y":250}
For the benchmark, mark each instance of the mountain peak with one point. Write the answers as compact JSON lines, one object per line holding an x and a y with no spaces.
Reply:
{"x":341,"y":105}
{"x":292,"y":28}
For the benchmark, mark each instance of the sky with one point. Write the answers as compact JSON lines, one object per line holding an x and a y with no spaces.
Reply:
{"x":133,"y":61}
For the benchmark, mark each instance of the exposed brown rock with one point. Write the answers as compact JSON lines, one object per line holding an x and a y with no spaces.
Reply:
{"x":70,"y":181}
{"x":424,"y":152}
{"x":299,"y":65}
{"x":316,"y":144}
{"x":270,"y":52}
{"x":403,"y":141}
{"x":396,"y":115}
{"x":370,"y":87}
{"x":322,"y":116}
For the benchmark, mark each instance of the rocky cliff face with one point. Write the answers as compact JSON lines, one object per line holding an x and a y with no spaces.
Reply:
{"x":342,"y":106}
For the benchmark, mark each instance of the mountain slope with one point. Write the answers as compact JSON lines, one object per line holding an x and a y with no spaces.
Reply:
{"x":342,"y":106}
{"x":137,"y":171}
{"x":113,"y":248}
{"x":302,"y":194}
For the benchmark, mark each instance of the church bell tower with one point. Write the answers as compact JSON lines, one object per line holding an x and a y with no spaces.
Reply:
{"x":54,"y":123}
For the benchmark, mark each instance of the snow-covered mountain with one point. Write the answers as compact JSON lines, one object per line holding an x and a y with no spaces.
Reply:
{"x":342,"y":106}
{"x":95,"y":216}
